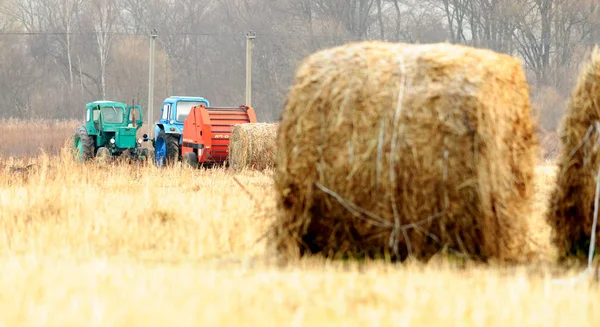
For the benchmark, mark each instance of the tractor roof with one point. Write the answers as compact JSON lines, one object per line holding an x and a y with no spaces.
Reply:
{"x":104,"y":102}
{"x":186,"y":98}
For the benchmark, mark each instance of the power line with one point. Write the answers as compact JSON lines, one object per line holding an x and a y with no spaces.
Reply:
{"x":111,"y":33}
{"x":241,"y":35}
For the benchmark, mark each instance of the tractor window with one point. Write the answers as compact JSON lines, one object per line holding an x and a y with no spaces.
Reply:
{"x":134,"y":114}
{"x":96,"y":114}
{"x":112,"y":115}
{"x":87,"y":115}
{"x":165,"y":113}
{"x":184,"y":108}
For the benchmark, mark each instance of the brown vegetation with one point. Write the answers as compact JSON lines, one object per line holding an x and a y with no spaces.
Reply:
{"x":24,"y":138}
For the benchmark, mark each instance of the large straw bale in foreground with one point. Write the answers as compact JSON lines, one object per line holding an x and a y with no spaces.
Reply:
{"x":449,"y":166}
{"x":253,"y":146}
{"x":572,"y":200}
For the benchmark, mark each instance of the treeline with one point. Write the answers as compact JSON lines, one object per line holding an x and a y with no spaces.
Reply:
{"x":55,"y":55}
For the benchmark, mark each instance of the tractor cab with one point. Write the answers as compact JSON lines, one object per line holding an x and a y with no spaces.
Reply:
{"x":174,"y":112}
{"x":108,"y":119}
{"x":108,"y":114}
{"x":110,"y":129}
{"x":169,"y":129}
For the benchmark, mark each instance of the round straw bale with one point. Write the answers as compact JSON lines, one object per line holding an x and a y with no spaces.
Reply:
{"x":571,"y":208}
{"x":253,"y":146}
{"x":404,"y":150}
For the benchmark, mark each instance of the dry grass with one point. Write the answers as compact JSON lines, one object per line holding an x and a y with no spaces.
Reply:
{"x":127,"y":210}
{"x":121,"y":246}
{"x":25,"y":138}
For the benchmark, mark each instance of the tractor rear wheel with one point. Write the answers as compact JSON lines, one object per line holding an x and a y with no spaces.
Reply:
{"x":83,"y":145}
{"x":167,"y":149}
{"x":190,"y":159}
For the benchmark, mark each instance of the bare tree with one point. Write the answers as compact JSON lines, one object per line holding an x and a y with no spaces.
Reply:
{"x":103,"y":15}
{"x":80,"y":50}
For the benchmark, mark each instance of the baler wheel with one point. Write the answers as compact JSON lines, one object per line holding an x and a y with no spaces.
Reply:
{"x":190,"y":159}
{"x":83,"y":145}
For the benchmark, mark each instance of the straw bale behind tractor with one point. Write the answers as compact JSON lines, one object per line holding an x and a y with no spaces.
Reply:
{"x":253,"y":146}
{"x":571,"y":208}
{"x":399,"y":150}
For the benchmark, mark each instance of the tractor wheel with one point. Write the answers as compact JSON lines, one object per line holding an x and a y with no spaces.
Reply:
{"x":144,"y":155}
{"x":167,"y":149}
{"x":83,"y":145}
{"x":103,"y":155}
{"x":190,"y":159}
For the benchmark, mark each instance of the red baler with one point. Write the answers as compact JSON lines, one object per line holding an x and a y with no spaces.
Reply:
{"x":206,"y":133}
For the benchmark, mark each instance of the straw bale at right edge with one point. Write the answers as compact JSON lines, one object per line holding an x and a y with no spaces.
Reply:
{"x":345,"y":190}
{"x":571,"y":209}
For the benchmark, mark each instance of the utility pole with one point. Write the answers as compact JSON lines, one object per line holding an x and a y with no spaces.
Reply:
{"x":250,"y":36}
{"x":153,"y":35}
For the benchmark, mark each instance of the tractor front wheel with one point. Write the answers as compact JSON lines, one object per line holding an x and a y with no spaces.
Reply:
{"x":83,"y":145}
{"x":103,"y":155}
{"x":190,"y":159}
{"x":144,"y":154}
{"x":167,"y":149}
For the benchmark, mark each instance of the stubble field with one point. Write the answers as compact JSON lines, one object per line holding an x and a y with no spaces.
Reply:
{"x":93,"y":245}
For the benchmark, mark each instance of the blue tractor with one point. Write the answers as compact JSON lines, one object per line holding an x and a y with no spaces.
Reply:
{"x":169,"y":129}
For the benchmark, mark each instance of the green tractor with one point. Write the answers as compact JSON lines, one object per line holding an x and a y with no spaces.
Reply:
{"x":110,"y":130}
